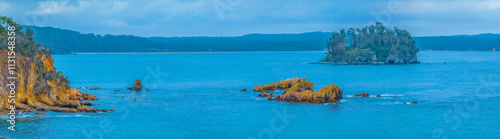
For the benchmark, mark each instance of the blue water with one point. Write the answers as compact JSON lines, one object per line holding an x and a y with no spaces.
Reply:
{"x":192,"y":97}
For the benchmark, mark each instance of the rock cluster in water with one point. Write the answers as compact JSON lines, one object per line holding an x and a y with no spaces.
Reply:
{"x":300,"y":90}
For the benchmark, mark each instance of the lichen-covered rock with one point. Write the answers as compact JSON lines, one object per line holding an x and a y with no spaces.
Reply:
{"x":328,"y":94}
{"x":281,"y":85}
{"x":137,"y":86}
{"x":39,"y":86}
{"x":263,"y":94}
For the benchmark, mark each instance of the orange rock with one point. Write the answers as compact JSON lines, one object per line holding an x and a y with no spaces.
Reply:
{"x":414,"y":103}
{"x":328,"y":94}
{"x":147,"y":89}
{"x":263,"y":94}
{"x":394,"y":97}
{"x":104,"y":111}
{"x":243,"y":90}
{"x":40,"y":113}
{"x":365,"y":95}
{"x":379,"y":96}
{"x":357,"y":95}
{"x":281,"y":85}
{"x":137,"y":86}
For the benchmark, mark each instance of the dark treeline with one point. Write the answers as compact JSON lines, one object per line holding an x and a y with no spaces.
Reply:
{"x":67,"y":41}
{"x":481,"y":42}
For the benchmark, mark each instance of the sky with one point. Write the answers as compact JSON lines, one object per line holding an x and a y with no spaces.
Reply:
{"x":169,"y":18}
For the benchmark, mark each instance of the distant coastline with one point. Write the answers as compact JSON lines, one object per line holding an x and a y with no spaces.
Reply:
{"x":186,"y":52}
{"x":69,"y":42}
{"x":84,"y":53}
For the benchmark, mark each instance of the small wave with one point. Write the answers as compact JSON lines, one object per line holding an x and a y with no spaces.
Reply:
{"x":69,"y":116}
{"x":258,"y":98}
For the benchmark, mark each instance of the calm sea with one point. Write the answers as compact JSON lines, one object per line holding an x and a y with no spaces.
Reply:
{"x":458,"y":95}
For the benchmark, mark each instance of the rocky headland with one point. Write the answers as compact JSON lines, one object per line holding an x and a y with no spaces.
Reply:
{"x":38,"y":87}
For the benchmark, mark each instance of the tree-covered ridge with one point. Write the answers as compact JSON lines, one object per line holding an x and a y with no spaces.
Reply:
{"x":25,"y":44}
{"x":374,"y":43}
{"x":27,"y":47}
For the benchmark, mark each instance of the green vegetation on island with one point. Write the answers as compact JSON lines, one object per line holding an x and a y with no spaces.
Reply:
{"x":371,"y":44}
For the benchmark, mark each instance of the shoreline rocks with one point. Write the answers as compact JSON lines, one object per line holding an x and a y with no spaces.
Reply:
{"x":40,"y":87}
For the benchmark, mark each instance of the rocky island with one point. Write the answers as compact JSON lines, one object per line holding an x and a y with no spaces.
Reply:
{"x":374,"y":44}
{"x":299,"y":90}
{"x":39,"y":87}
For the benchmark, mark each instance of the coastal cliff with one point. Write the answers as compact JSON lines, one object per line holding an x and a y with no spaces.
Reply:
{"x":39,"y":87}
{"x":373,"y":44}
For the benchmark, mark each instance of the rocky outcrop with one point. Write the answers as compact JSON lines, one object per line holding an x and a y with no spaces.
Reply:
{"x":300,"y":90}
{"x":137,"y":86}
{"x":329,"y":94}
{"x":243,"y":90}
{"x":281,"y":85}
{"x":40,"y":87}
{"x":263,"y":94}
{"x":362,"y":95}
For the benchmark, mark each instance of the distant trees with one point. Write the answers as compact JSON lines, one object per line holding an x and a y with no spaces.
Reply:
{"x":25,"y":44}
{"x":374,"y":43}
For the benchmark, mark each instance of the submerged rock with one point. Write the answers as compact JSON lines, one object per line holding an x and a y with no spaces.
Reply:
{"x":394,"y":97}
{"x":137,"y":86}
{"x":95,"y":89}
{"x":243,"y":90}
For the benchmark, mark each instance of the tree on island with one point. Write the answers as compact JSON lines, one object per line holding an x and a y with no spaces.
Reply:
{"x":374,"y":43}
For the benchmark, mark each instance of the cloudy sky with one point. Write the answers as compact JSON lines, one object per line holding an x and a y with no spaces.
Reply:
{"x":238,"y":17}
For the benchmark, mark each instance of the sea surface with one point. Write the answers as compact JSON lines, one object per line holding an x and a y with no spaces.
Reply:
{"x":192,"y":96}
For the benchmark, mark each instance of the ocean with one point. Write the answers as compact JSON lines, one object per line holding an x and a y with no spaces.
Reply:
{"x":196,"y":95}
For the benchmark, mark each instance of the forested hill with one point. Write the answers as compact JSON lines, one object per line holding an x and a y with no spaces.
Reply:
{"x":481,"y":42}
{"x":68,"y":41}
